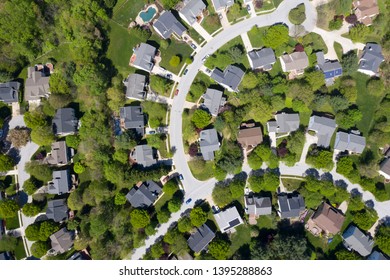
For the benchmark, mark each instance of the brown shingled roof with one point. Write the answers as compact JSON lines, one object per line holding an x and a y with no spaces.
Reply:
{"x":250,"y":136}
{"x":328,"y":218}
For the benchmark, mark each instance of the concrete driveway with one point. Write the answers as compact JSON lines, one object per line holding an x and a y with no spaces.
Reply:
{"x":223,"y":19}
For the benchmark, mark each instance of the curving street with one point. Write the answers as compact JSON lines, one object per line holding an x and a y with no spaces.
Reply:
{"x":196,"y":189}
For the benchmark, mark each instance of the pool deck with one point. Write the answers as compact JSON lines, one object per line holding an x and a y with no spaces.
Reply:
{"x":140,"y":21}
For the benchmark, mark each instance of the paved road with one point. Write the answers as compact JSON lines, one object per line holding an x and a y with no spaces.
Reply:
{"x":194,"y":188}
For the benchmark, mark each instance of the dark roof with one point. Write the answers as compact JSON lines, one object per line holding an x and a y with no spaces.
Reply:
{"x":9,"y":92}
{"x":61,"y":182}
{"x":331,"y":69}
{"x":78,"y":256}
{"x":143,"y":57}
{"x":324,"y":127}
{"x":201,"y":238}
{"x":4,"y":256}
{"x":209,"y":143}
{"x":62,"y":240}
{"x":132,"y":117}
{"x":167,"y":24}
{"x":385,"y":166}
{"x":65,"y":121}
{"x":145,"y":195}
{"x":57,"y":210}
{"x":290,"y":205}
{"x":230,"y":78}
{"x":135,"y":86}
{"x":377,"y":256}
{"x":372,"y":58}
{"x":356,"y":240}
{"x":258,"y":205}
{"x":350,"y":142}
{"x":263,"y":58}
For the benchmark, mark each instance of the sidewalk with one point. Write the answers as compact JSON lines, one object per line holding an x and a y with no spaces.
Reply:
{"x":202,"y":31}
{"x":247,"y":42}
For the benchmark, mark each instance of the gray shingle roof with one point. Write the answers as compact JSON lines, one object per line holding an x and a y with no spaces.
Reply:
{"x":37,"y":84}
{"x":213,"y":100}
{"x":295,"y":61}
{"x":350,"y":142}
{"x":230,"y":78}
{"x":61,"y":182}
{"x":290,"y":205}
{"x":228,"y":219}
{"x":222,"y":4}
{"x":385,"y":166}
{"x":62,"y":240}
{"x":144,"y":155}
{"x":145,"y":195}
{"x":135,"y":86}
{"x":258,"y":205}
{"x":209,"y":143}
{"x":192,"y":9}
{"x":132,"y":117}
{"x":9,"y":92}
{"x":143,"y":57}
{"x":371,"y":59}
{"x":356,"y":240}
{"x":65,"y":121}
{"x":324,"y":127}
{"x":57,"y":210}
{"x":167,"y":24}
{"x":201,"y":238}
{"x":263,"y":58}
{"x":284,"y":123}
{"x":377,"y":256}
{"x":59,"y":153}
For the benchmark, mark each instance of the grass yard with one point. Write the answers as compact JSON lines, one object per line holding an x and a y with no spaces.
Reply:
{"x":196,"y":90}
{"x":267,"y":222}
{"x":327,"y":12}
{"x":202,"y":170}
{"x":268,"y":5}
{"x":156,"y":112}
{"x":19,"y":252}
{"x":317,"y":241}
{"x":127,"y":10}
{"x":242,"y":12}
{"x":291,"y":184}
{"x":211,"y":22}
{"x":189,"y":133}
{"x":339,"y":50}
{"x":315,"y":41}
{"x":241,"y":237}
{"x":256,"y":36}
{"x":367,"y":103}
{"x":12,"y":223}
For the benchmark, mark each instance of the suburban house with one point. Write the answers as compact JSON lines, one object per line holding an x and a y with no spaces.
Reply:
{"x":144,"y":155}
{"x":5,"y":256}
{"x":62,"y":240}
{"x":230,"y":78}
{"x":144,"y":195}
{"x":132,"y":117}
{"x":213,"y":100}
{"x":256,"y":207}
{"x":37,"y":84}
{"x":135,"y":87}
{"x":366,"y":10}
{"x":355,"y":239}
{"x":209,"y":143}
{"x":192,"y":11}
{"x":80,"y":256}
{"x":350,"y":142}
{"x":60,"y":154}
{"x":9,"y":92}
{"x":284,"y":123}
{"x":331,"y":69}
{"x":326,"y":219}
{"x":60,"y":183}
{"x":377,"y":256}
{"x":290,"y":205}
{"x":167,"y":24}
{"x":222,"y":5}
{"x":199,"y":240}
{"x":324,"y":128}
{"x":65,"y":122}
{"x":57,"y":210}
{"x":227,"y":220}
{"x":143,"y":57}
{"x":384,"y":169}
{"x":294,"y":63}
{"x":371,"y":59}
{"x":262,"y":59}
{"x":249,"y":135}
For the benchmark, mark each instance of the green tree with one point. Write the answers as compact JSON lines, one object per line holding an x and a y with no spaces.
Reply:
{"x":8,"y":208}
{"x":345,"y":166}
{"x":116,"y":98}
{"x":219,"y":249}
{"x":58,"y":84}
{"x":75,"y":200}
{"x":347,"y":255}
{"x":31,"y":185}
{"x":276,"y":36}
{"x":250,"y":81}
{"x":164,"y":44}
{"x":168,"y":4}
{"x":365,"y":218}
{"x":321,"y":160}
{"x":198,"y":217}
{"x":170,"y":187}
{"x":221,"y":194}
{"x":235,"y":10}
{"x":47,"y":228}
{"x":236,"y":187}
{"x":72,"y":141}
{"x":382,"y":239}
{"x":175,"y":61}
{"x":350,"y":62}
{"x":359,"y":32}
{"x":6,"y":162}
{"x":163,"y":216}
{"x":8,"y":243}
{"x":40,"y":171}
{"x":19,"y":136}
{"x":78,"y":168}
{"x":174,"y":204}
{"x":188,"y":60}
{"x":184,"y":224}
{"x":335,"y":24}
{"x":297,"y":15}
{"x":201,"y":118}
{"x":32,"y":232}
{"x":157,"y":250}
{"x":39,"y":248}
{"x":349,"y":118}
{"x":254,"y":161}
{"x":43,"y":136}
{"x":139,"y":218}
{"x":35,"y":119}
{"x":120,"y":198}
{"x":159,"y":84}
{"x":375,"y":87}
{"x":315,"y":79}
{"x":31,"y":209}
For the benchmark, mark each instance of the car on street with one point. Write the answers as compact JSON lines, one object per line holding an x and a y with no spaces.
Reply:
{"x":193,"y":46}
{"x":181,"y":177}
{"x":169,"y":76}
{"x":205,"y":57}
{"x":177,"y":92}
{"x":185,"y":71}
{"x":248,"y":8}
{"x":188,"y":201}
{"x":220,"y":16}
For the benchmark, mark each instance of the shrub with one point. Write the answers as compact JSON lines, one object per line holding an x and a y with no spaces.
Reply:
{"x":175,"y":61}
{"x":39,"y":249}
{"x":297,"y":15}
{"x":201,"y":118}
{"x":335,"y":24}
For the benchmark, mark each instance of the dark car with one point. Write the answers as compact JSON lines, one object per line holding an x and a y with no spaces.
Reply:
{"x":188,"y":201}
{"x":193,"y":46}
{"x":185,"y":71}
{"x":181,"y":177}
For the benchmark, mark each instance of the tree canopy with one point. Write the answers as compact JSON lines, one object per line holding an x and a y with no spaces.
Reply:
{"x":139,"y":218}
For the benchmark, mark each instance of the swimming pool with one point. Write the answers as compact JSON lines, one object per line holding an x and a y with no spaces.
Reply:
{"x":148,"y":14}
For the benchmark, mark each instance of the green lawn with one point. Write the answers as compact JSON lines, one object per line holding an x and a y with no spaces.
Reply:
{"x":156,"y":112}
{"x":256,"y":36}
{"x":327,"y":12}
{"x":243,"y":12}
{"x":267,"y":222}
{"x":202,"y":170}
{"x":211,"y":23}
{"x":127,"y":10}
{"x":317,"y":241}
{"x":12,"y":223}
{"x":315,"y":41}
{"x":194,"y":94}
{"x":19,"y":252}
{"x":291,"y":184}
{"x":162,"y":201}
{"x":269,"y":5}
{"x":241,"y":237}
{"x":189,"y":133}
{"x":367,"y":103}
{"x":339,"y":50}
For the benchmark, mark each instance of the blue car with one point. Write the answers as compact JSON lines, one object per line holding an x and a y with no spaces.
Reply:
{"x":188,"y":201}
{"x":181,"y":177}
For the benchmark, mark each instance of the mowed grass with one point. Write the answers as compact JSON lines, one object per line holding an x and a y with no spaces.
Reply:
{"x":339,"y":50}
{"x":19,"y":252}
{"x":241,"y":237}
{"x":211,"y":23}
{"x":256,"y":36}
{"x":202,"y":170}
{"x":127,"y":10}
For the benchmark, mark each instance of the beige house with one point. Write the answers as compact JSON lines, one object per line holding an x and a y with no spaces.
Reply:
{"x":37,"y":84}
{"x":366,"y":10}
{"x":249,"y":136}
{"x":326,"y":219}
{"x":294,"y":63}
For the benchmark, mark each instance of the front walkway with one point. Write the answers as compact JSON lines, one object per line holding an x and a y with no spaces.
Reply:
{"x":223,"y":19}
{"x":198,"y":28}
{"x":247,"y":42}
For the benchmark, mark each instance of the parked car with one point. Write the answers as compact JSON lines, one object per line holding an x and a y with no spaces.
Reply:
{"x":205,"y":57}
{"x":193,"y":46}
{"x":177,"y":92}
{"x":248,"y":8}
{"x":169,"y":76}
{"x":208,"y":71}
{"x":220,"y":16}
{"x":152,"y":132}
{"x":185,"y":71}
{"x":181,"y":177}
{"x":215,"y":209}
{"x":188,"y":201}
